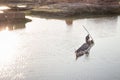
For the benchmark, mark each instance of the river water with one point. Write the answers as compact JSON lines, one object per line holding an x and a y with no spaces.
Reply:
{"x":43,"y":49}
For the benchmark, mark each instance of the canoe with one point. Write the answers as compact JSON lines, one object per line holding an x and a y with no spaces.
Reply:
{"x":84,"y":49}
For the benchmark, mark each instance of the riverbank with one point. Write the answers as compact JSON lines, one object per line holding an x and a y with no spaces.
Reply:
{"x":70,"y":9}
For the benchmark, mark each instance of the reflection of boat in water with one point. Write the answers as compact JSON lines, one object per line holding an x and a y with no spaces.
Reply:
{"x":12,"y":16}
{"x":69,"y":22}
{"x":11,"y":26}
{"x":12,"y":20}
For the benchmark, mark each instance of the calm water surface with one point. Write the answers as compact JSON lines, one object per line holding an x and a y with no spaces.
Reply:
{"x":44,"y":50}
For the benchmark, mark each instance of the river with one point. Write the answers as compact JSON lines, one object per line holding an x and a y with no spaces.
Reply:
{"x":43,"y":49}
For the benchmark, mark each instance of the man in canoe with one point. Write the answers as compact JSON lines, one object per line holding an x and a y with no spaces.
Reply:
{"x":85,"y":48}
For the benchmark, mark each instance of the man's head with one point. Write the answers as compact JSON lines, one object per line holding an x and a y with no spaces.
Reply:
{"x":87,"y":38}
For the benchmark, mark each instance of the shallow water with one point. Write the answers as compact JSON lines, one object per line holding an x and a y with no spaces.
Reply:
{"x":44,"y":50}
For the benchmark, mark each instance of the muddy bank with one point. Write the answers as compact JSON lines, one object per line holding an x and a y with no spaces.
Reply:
{"x":70,"y":9}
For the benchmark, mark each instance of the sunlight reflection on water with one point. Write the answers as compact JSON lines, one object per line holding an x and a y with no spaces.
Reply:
{"x":7,"y":44}
{"x":10,"y":61}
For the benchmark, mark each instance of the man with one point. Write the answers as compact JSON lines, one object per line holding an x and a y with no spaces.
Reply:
{"x":85,"y":48}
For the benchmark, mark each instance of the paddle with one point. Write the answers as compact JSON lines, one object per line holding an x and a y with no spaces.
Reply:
{"x":87,"y":31}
